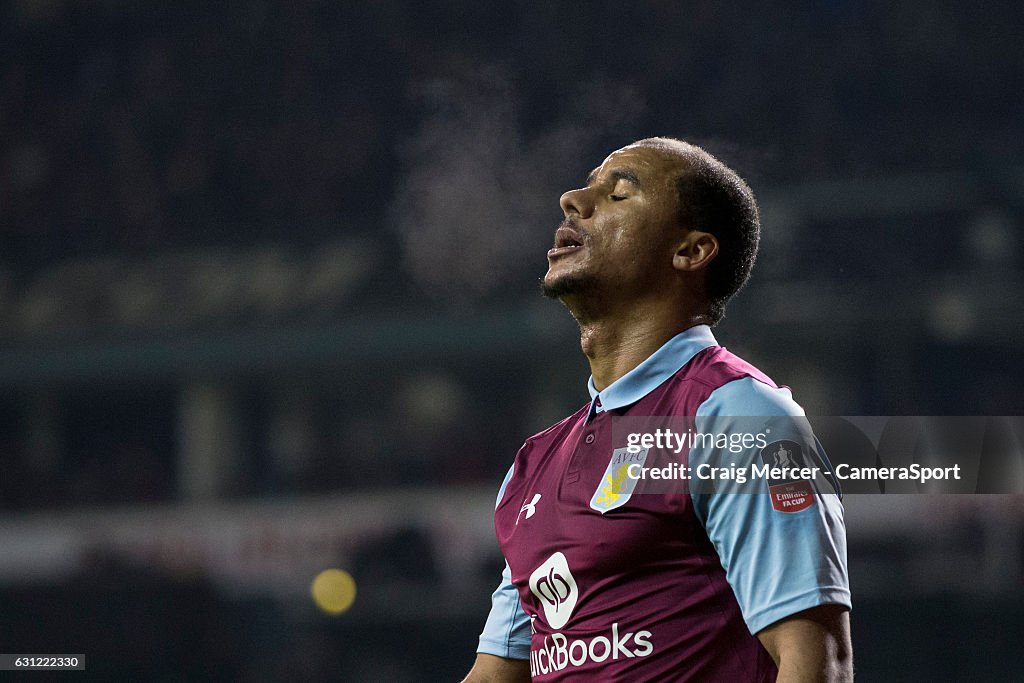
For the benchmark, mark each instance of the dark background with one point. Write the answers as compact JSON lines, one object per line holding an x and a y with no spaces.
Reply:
{"x":269,"y":303}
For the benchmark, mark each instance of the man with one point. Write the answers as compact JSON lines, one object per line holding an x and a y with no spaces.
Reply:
{"x":611,"y":579}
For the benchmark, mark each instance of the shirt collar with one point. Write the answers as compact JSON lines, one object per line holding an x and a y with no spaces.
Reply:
{"x":652,"y":372}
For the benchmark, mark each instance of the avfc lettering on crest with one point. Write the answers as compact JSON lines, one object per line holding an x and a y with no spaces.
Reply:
{"x":616,"y":485}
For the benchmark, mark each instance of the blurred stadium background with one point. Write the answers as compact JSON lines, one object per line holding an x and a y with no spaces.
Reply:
{"x":268,"y":304}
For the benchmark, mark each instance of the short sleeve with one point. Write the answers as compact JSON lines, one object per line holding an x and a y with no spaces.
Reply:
{"x":507,"y":629}
{"x":778,"y":560}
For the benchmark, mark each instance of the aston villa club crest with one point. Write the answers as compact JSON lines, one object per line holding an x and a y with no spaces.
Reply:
{"x":616,"y":485}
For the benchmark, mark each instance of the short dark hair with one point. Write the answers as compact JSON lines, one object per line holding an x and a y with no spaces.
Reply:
{"x":713,"y":198}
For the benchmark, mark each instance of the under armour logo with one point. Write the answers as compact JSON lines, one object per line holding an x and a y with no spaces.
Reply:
{"x":529,"y":508}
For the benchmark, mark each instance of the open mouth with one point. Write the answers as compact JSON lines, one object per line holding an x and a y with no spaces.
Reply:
{"x":567,"y":241}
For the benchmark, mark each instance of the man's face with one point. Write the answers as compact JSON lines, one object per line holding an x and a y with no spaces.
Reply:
{"x":620,"y":231}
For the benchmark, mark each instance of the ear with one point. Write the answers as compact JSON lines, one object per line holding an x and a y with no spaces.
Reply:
{"x":696,"y":251}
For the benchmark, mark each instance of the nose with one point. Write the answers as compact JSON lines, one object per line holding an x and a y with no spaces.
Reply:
{"x":579,"y":202}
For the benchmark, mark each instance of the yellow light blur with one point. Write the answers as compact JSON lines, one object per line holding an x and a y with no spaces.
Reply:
{"x":333,"y":591}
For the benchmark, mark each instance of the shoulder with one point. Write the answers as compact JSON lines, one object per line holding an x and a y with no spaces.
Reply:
{"x":716,"y":365}
{"x":559,"y":428}
{"x":534,"y":448}
{"x":718,"y":382}
{"x":750,"y":396}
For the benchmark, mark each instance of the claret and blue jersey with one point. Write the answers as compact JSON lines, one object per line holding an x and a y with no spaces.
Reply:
{"x":640,"y":583}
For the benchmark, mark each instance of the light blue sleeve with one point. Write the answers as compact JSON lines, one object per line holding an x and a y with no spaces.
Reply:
{"x":777,"y":562}
{"x":507,"y":629}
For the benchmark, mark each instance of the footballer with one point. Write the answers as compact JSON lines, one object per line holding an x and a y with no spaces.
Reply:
{"x":606,"y":580}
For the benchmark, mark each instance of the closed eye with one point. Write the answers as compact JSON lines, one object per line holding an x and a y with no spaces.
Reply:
{"x":616,"y":197}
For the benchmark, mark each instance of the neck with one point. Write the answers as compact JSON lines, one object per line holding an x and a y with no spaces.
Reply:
{"x":616,"y":343}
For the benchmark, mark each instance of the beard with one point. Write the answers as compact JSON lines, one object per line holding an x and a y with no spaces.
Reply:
{"x":568,"y":285}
